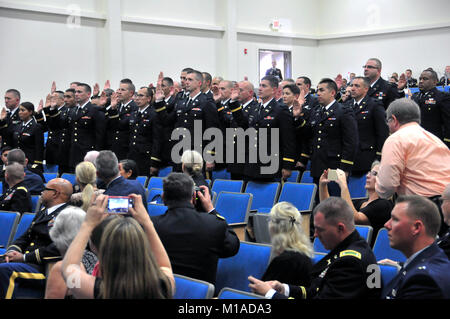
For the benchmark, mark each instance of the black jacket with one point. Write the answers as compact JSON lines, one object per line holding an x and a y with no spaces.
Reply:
{"x":384,"y":92}
{"x":16,"y":199}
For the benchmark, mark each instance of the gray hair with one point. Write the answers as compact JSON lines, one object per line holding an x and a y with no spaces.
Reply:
{"x":177,"y":187}
{"x":16,"y":155}
{"x":377,"y":62}
{"x":91,"y":156}
{"x":192,"y":162}
{"x":286,"y":232}
{"x":15,"y":172}
{"x":66,"y":226}
{"x":336,"y":210}
{"x":425,"y":210}
{"x":405,"y":111}
{"x":107,"y":165}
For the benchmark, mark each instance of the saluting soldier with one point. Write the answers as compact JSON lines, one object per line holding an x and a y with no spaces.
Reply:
{"x":380,"y":89}
{"x":16,"y":198}
{"x":332,"y":129}
{"x":120,"y":129}
{"x":372,"y":127}
{"x":87,"y":126}
{"x":268,"y":115}
{"x":434,"y":106}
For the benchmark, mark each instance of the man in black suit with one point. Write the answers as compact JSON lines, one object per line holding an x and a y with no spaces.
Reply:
{"x":267,"y":120}
{"x":434,"y":106}
{"x":410,"y":81}
{"x":372,"y":127}
{"x":274,"y":71}
{"x":333,"y":132}
{"x":122,"y":110}
{"x":445,"y":80}
{"x":412,"y":230}
{"x":22,"y":272}
{"x":380,"y":89}
{"x":88,"y":126}
{"x":194,"y":241}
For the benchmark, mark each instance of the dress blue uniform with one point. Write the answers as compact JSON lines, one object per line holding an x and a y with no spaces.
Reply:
{"x":118,"y":126}
{"x":124,"y":187}
{"x":384,"y":92}
{"x":425,"y":277}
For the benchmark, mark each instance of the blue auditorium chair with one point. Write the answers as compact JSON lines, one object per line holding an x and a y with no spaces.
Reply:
{"x":163,"y":172}
{"x":306,"y":178}
{"x":387,"y":273}
{"x":35,"y":204}
{"x":234,"y":207}
{"x":229,"y":293}
{"x":264,"y":195}
{"x":356,"y":187}
{"x":383,"y":250}
{"x":222,"y":174}
{"x":70,"y":177}
{"x":155,"y":182}
{"x":224,"y":185}
{"x":142,"y":180}
{"x":24,"y":224}
{"x":8,"y":224}
{"x":156,"y":209}
{"x":190,"y":288}
{"x":294,"y":177}
{"x":154,"y":195}
{"x":49,"y":176}
{"x":51,"y":168}
{"x":251,"y":259}
{"x":300,"y":195}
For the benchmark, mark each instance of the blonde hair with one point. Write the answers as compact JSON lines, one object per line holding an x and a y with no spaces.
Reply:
{"x":193,"y":162}
{"x":86,"y":174}
{"x":286,"y":231}
{"x":127,"y":264}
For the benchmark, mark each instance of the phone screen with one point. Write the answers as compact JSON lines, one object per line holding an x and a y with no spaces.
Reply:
{"x":332,"y":175}
{"x":119,"y":204}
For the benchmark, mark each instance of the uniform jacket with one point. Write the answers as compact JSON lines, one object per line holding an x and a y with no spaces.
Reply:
{"x":16,"y":199}
{"x":54,"y":134}
{"x":334,"y":138}
{"x":195,"y":241}
{"x":372,"y":131}
{"x":425,"y":277}
{"x":62,"y":120}
{"x":435,"y":113}
{"x":124,"y":187}
{"x":8,"y":127}
{"x":340,"y":274}
{"x":118,"y":126}
{"x":384,"y":92}
{"x":272,"y":116}
{"x":275,"y":72}
{"x":87,"y":134}
{"x":36,"y":243}
{"x":30,"y":139}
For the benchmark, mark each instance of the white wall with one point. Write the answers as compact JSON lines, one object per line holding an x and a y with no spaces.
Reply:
{"x":326,"y":37}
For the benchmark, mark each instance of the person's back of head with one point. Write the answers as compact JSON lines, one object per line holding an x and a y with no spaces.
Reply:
{"x":127,"y":264}
{"x":66,"y":226}
{"x":405,"y":111}
{"x":192,"y":162}
{"x":16,"y":155}
{"x":91,"y":156}
{"x":107,"y":166}
{"x":86,"y":175}
{"x":286,"y":231}
{"x":177,"y":187}
{"x":14,"y":174}
{"x":58,"y":191}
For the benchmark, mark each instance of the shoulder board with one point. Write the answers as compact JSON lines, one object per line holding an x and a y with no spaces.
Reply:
{"x":352,"y":253}
{"x":21,"y":187}
{"x":217,"y":215}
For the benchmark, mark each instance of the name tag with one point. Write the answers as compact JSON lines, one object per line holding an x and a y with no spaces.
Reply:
{"x":430,"y":101}
{"x":269,"y":118}
{"x":86,"y":118}
{"x":26,"y":134}
{"x":196,"y":109}
{"x":331,"y":119}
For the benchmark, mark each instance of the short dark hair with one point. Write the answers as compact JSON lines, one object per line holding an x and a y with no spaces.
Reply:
{"x":198,"y":75}
{"x":306,"y":80}
{"x":187,"y":70}
{"x":168,"y":80}
{"x":130,"y":165}
{"x":273,"y":80}
{"x":331,"y":85}
{"x":208,"y":77}
{"x":87,"y":87}
{"x":6,"y":148}
{"x":15,"y":92}
{"x":131,"y":86}
{"x":148,"y":90}
{"x":293,"y":88}
{"x":177,"y":187}
{"x":365,"y":80}
{"x":16,"y":155}
{"x":433,"y":73}
{"x":71,"y":91}
{"x":28,"y":105}
{"x":424,"y":209}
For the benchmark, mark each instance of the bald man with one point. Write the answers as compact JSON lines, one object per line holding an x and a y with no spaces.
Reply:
{"x":22,"y":268}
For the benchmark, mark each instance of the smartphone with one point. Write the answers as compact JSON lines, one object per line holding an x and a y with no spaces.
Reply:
{"x":119,"y":204}
{"x":332,"y":175}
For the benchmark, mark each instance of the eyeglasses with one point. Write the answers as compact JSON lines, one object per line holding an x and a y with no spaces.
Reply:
{"x":369,"y":67}
{"x":140,"y":95}
{"x":50,"y":189}
{"x":373,"y":173}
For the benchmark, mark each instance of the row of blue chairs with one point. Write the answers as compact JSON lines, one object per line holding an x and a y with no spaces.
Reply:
{"x":12,"y":226}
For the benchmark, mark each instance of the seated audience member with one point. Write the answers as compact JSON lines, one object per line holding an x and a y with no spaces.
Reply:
{"x":91,"y":156}
{"x":4,"y":154}
{"x":108,"y":171}
{"x":445,"y":80}
{"x":66,"y":226}
{"x":128,"y":169}
{"x":374,"y":211}
{"x":86,"y":175}
{"x":33,"y":182}
{"x":412,"y":230}
{"x":291,"y":248}
{"x":340,"y":274}
{"x":16,"y":198}
{"x":145,"y":273}
{"x":393,"y":80}
{"x":444,"y":240}
{"x":34,"y":249}
{"x":413,"y":160}
{"x":194,"y":241}
{"x":192,"y":165}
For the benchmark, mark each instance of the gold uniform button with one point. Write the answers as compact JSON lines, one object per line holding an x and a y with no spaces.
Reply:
{"x":32,"y":244}
{"x":318,"y":139}
{"x":76,"y":140}
{"x":318,"y":146}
